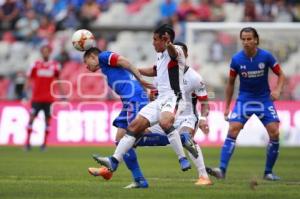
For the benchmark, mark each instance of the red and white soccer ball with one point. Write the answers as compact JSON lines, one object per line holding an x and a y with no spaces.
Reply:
{"x":83,"y":40}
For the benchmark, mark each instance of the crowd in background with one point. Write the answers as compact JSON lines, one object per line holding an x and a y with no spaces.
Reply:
{"x":39,"y":21}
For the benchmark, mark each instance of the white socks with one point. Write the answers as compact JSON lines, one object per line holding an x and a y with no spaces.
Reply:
{"x":199,"y":162}
{"x":175,"y":141}
{"x":124,"y":145}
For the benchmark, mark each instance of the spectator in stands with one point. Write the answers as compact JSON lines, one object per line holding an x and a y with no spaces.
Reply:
{"x":76,"y":4}
{"x":89,"y":12}
{"x":27,"y":26}
{"x":40,"y":7}
{"x":284,"y":13}
{"x":104,"y":4}
{"x":267,"y":10}
{"x":168,"y":9}
{"x":185,"y":10}
{"x":40,"y":77}
{"x":250,"y":14}
{"x":9,"y":14}
{"x":59,"y":10}
{"x":46,"y":29}
{"x":204,"y":11}
{"x":217,"y":11}
{"x":71,"y":20}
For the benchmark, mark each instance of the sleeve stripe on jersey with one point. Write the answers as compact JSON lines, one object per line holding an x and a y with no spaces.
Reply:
{"x":113,"y":59}
{"x":232,"y":73}
{"x":202,"y":98}
{"x":276,"y":69}
{"x":172,"y":64}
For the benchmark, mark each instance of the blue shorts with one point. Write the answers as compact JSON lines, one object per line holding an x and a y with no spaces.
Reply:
{"x":129,"y":111}
{"x":263,"y":109}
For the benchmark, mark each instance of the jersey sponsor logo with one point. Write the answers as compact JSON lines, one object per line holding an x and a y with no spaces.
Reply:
{"x":185,"y":82}
{"x":256,"y":73}
{"x":243,"y":67}
{"x":45,"y":73}
{"x":261,"y":65}
{"x":244,"y":74}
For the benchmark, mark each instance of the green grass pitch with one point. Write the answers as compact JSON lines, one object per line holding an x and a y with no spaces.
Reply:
{"x":61,"y":172}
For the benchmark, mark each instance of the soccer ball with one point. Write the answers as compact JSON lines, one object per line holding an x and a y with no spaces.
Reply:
{"x":83,"y":40}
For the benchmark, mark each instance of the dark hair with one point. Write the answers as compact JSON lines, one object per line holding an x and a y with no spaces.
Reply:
{"x":161,"y":30}
{"x":90,"y":51}
{"x":178,"y":43}
{"x":250,"y":29}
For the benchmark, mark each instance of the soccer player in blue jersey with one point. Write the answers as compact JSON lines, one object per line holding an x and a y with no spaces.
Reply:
{"x":126,"y":81}
{"x":252,"y":65}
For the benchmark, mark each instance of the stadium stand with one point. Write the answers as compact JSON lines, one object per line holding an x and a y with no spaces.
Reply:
{"x":125,"y":26}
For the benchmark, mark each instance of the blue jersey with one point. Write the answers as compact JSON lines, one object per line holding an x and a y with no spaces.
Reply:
{"x":119,"y":79}
{"x":253,"y":73}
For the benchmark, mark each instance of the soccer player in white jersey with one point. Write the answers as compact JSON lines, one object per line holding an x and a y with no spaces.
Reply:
{"x":169,"y":68}
{"x":187,"y":121}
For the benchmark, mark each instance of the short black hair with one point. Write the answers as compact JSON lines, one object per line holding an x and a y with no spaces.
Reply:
{"x":90,"y":51}
{"x":183,"y":45}
{"x":250,"y":29}
{"x":161,"y":30}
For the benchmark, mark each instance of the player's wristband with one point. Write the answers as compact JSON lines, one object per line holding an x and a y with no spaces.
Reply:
{"x":203,"y":118}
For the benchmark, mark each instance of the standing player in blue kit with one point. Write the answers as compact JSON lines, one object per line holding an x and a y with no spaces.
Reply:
{"x":252,"y":65}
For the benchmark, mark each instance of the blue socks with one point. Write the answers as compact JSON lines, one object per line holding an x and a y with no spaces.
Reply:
{"x":272,"y":154}
{"x":132,"y":164}
{"x":226,"y":153}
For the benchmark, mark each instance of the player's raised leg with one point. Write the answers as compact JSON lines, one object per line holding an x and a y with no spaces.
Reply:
{"x":138,"y":125}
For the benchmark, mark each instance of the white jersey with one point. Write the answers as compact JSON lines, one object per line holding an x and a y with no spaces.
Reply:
{"x":170,"y":73}
{"x":194,"y":89}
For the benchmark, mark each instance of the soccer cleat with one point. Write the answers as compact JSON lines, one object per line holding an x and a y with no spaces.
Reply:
{"x":184,"y":164}
{"x":189,"y":144}
{"x":27,"y":147}
{"x":204,"y":181}
{"x":102,"y":171}
{"x":43,"y":148}
{"x":216,"y":172}
{"x":271,"y":177}
{"x":139,"y":183}
{"x":106,"y":161}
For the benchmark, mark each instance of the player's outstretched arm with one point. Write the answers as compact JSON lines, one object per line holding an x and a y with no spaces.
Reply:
{"x":275,"y":94}
{"x":124,"y":62}
{"x":228,"y":95}
{"x":148,"y":71}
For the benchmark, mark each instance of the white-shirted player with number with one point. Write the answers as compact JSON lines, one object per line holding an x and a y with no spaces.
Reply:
{"x":188,"y":120}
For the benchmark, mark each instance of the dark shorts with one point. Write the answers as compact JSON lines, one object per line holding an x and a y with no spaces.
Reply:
{"x":36,"y":107}
{"x":264,"y":110}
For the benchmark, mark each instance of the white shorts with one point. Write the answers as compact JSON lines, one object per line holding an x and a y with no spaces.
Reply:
{"x":162,"y":104}
{"x":180,"y":122}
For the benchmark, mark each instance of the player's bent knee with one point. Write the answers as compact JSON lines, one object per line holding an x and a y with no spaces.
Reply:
{"x":274,"y":135}
{"x":166,"y":124}
{"x":138,"y":125}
